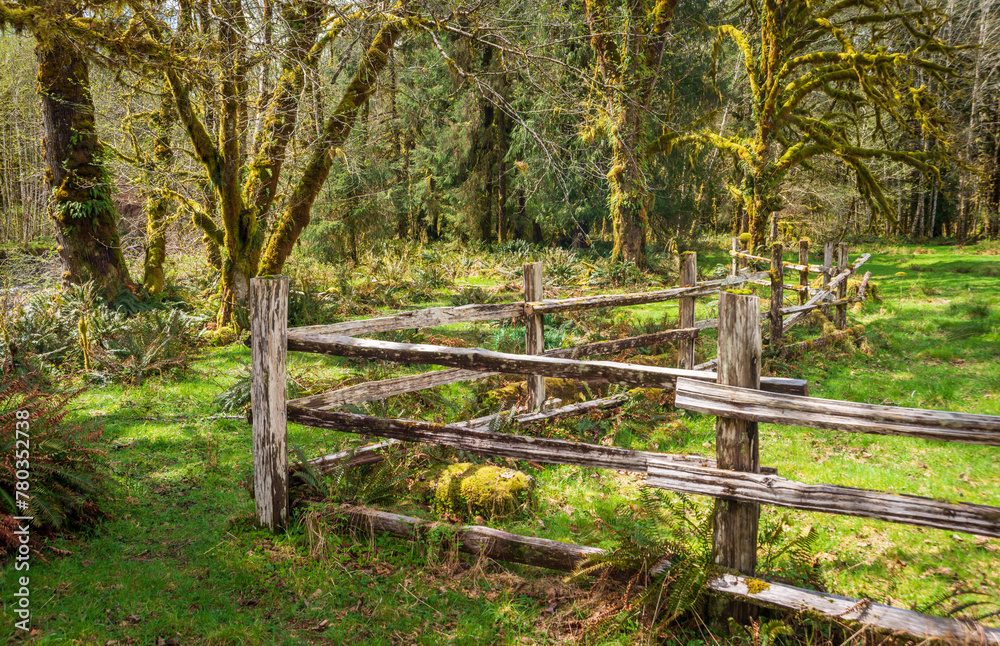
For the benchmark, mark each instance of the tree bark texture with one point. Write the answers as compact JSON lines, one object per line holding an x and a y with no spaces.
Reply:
{"x":85,"y":216}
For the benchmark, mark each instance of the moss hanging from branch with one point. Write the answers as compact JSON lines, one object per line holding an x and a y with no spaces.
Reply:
{"x":784,"y":77}
{"x":338,"y":127}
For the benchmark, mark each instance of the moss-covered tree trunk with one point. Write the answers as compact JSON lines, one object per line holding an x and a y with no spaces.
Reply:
{"x":630,"y":69}
{"x":335,"y":132}
{"x":629,"y":196}
{"x":85,"y":216}
{"x":156,"y":203}
{"x":156,"y":243}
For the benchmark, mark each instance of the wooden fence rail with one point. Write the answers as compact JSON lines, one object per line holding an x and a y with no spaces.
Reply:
{"x":760,"y":488}
{"x":488,"y":360}
{"x":566,"y":557}
{"x":430,"y":317}
{"x":706,"y":288}
{"x":375,"y":390}
{"x":811,"y":412}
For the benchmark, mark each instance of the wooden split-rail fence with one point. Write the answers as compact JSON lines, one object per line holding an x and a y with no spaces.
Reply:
{"x":735,"y":393}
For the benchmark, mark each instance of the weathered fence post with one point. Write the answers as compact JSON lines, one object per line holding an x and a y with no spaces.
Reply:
{"x":734,"y":543}
{"x":736,"y":248}
{"x":269,"y":342}
{"x":840,"y":319}
{"x":828,"y":263}
{"x":777,"y":293}
{"x":804,"y":273}
{"x":685,"y":315}
{"x":534,"y":332}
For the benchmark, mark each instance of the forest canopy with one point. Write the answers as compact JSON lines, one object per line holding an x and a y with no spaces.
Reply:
{"x":252,"y":127}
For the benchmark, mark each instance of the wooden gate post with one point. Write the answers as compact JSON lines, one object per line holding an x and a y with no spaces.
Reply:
{"x":534,"y":332}
{"x":777,"y":294}
{"x":840,"y":319}
{"x":685,"y":315}
{"x":736,"y":248}
{"x":268,"y":347}
{"x":804,"y":273}
{"x":734,"y":543}
{"x":828,"y":263}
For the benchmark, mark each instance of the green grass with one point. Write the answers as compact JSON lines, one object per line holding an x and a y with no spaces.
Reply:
{"x":178,"y":557}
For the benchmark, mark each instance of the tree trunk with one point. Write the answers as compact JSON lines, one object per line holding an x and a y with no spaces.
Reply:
{"x":628,"y":193}
{"x":335,"y":132}
{"x":156,"y":202}
{"x":85,"y":216}
{"x":156,"y":244}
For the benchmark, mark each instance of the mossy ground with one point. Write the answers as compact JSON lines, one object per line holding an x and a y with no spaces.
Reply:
{"x":178,"y":558}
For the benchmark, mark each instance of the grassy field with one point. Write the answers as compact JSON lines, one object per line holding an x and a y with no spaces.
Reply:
{"x":177,"y":559}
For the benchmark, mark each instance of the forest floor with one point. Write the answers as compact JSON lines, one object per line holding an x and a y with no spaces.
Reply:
{"x":178,"y":561}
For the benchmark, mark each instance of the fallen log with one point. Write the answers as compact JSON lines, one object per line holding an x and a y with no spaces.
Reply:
{"x":864,"y":285}
{"x":487,"y":360}
{"x":472,"y":539}
{"x":857,"y":611}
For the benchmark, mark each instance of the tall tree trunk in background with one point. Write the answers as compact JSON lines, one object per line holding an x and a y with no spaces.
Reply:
{"x":629,"y":194}
{"x":971,"y":132}
{"x":934,"y":202}
{"x":900,"y":201}
{"x":629,"y":69}
{"x":156,"y":202}
{"x":85,"y":216}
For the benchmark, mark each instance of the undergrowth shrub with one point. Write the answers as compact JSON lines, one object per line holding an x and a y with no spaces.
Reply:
{"x":64,"y":466}
{"x":74,"y":329}
{"x":309,"y":302}
{"x":664,"y":552}
{"x":361,"y":484}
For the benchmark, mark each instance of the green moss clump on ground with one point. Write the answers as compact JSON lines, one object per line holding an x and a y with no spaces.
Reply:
{"x":473,"y":489}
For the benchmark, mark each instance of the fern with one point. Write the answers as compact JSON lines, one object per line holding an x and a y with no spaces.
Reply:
{"x":788,"y":555}
{"x":360,"y":485}
{"x":758,"y":634}
{"x":665,"y":542}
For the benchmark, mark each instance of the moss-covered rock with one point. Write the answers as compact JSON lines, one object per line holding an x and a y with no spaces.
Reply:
{"x":465,"y":489}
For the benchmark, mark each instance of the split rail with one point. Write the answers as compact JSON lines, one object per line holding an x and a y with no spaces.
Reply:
{"x":736,"y":394}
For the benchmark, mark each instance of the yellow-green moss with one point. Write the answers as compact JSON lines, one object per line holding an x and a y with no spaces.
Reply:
{"x":756,"y":586}
{"x":568,"y":390}
{"x":465,"y":489}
